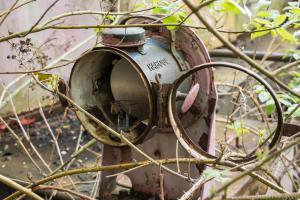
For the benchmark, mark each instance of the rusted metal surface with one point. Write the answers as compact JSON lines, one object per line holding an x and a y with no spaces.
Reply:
{"x":193,"y":148}
{"x":123,"y":37}
{"x":290,"y":129}
{"x":146,"y":179}
{"x":163,"y":143}
{"x":154,"y":67}
{"x":162,"y":91}
{"x":89,"y":80}
{"x":131,"y":73}
{"x":175,"y":53}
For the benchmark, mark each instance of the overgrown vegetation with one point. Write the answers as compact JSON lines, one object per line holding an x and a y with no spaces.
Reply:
{"x":247,"y":114}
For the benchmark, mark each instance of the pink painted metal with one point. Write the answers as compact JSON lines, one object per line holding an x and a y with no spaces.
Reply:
{"x":190,"y":98}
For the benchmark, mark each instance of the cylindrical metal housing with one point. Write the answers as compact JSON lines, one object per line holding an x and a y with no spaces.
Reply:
{"x":115,"y":84}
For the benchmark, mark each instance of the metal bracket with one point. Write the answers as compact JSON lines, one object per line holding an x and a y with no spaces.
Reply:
{"x":162,"y":93}
{"x":175,"y":53}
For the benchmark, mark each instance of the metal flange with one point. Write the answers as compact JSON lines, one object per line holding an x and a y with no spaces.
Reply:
{"x":195,"y":150}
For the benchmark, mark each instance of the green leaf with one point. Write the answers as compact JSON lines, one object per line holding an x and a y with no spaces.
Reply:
{"x":285,"y":102}
{"x":239,"y":128}
{"x":159,"y":10}
{"x":231,"y":6}
{"x":287,"y":97}
{"x":295,"y":10}
{"x":272,"y":14}
{"x":273,"y":33}
{"x":285,"y":35}
{"x":279,"y":20}
{"x":264,"y":96}
{"x":43,"y":77}
{"x":292,"y":108}
{"x":270,"y":107}
{"x":262,"y":154}
{"x":172,"y":19}
{"x":262,"y":5}
{"x":258,"y":88}
{"x":98,"y":30}
{"x":262,"y":21}
{"x":218,"y":175}
{"x":155,"y":2}
{"x":50,"y":79}
{"x":260,"y":32}
{"x":263,"y":14}
{"x":111,"y":17}
{"x":261,"y":134}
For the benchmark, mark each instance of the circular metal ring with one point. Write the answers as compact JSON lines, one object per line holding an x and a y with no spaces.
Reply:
{"x":124,"y":20}
{"x":99,"y":134}
{"x":179,"y":130}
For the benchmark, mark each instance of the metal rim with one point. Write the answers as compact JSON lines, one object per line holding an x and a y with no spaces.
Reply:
{"x":179,"y":130}
{"x":122,"y":54}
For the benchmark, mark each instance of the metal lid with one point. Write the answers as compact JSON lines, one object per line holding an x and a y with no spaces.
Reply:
{"x":123,"y":37}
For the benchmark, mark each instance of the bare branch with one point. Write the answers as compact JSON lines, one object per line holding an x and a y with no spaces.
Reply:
{"x":18,"y":187}
{"x":9,"y":11}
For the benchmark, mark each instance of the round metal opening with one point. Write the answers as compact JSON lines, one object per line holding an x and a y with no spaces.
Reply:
{"x":110,"y":85}
{"x":129,"y":90}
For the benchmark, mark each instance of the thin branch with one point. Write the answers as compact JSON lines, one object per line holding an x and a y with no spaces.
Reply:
{"x":107,"y":168}
{"x":128,"y":170}
{"x":109,"y":129}
{"x":27,"y":137}
{"x":39,"y":70}
{"x":81,"y":196}
{"x":5,"y":88}
{"x":42,"y":16}
{"x":124,"y":139}
{"x":75,"y":155}
{"x":3,"y":101}
{"x":42,"y":28}
{"x":190,"y":194}
{"x":292,"y":196}
{"x":15,"y":8}
{"x":20,"y":143}
{"x":286,"y":67}
{"x":161,"y":184}
{"x":90,"y":12}
{"x":51,"y":133}
{"x":239,"y":53}
{"x":18,"y":187}
{"x":39,"y":29}
{"x":292,"y":112}
{"x":9,"y":11}
{"x":270,"y":157}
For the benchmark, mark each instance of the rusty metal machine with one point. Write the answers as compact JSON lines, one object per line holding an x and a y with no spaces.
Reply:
{"x":126,"y":81}
{"x":143,"y":83}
